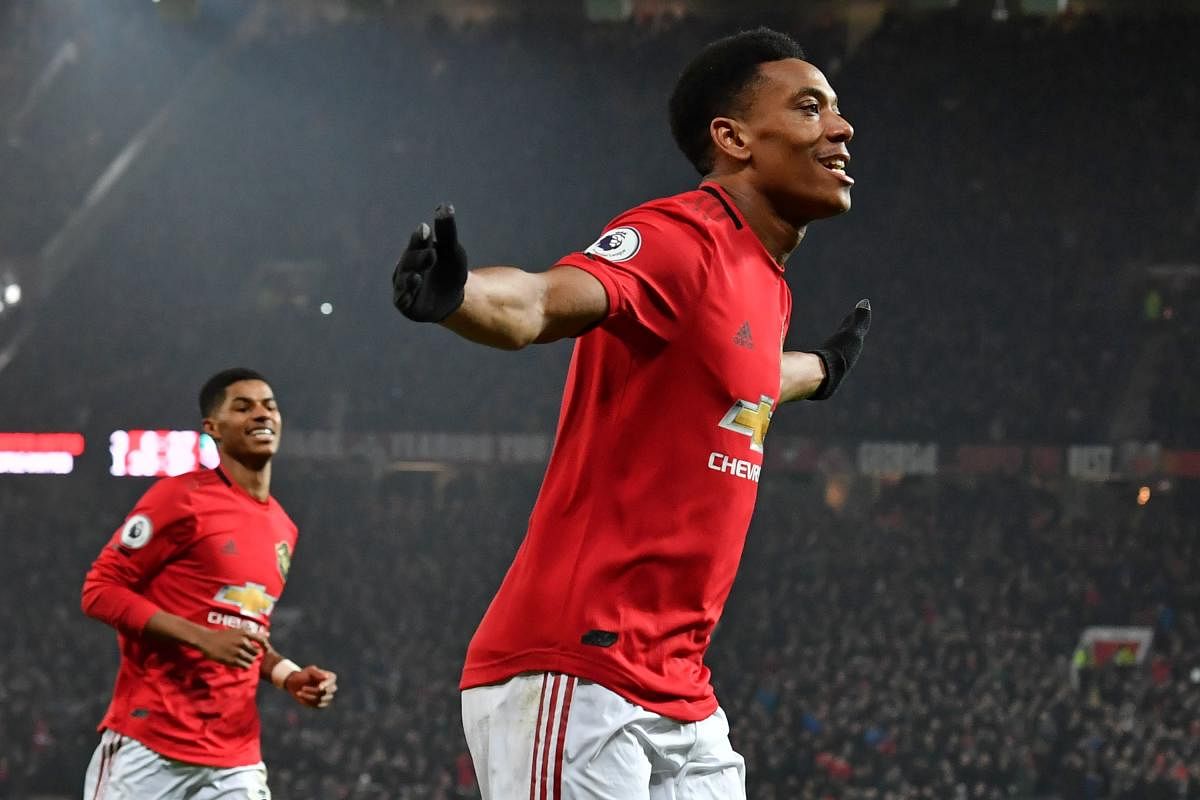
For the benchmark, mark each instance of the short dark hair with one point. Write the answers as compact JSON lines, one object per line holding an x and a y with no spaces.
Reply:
{"x":715,"y":84}
{"x":212,"y":393}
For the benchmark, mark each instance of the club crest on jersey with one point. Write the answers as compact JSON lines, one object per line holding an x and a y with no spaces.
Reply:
{"x":251,"y":598}
{"x":619,"y":244}
{"x":283,"y":558}
{"x":750,"y":419}
{"x":136,"y":532}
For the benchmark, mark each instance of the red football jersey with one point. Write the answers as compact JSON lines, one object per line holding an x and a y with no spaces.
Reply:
{"x":198,"y":546}
{"x":637,"y":532}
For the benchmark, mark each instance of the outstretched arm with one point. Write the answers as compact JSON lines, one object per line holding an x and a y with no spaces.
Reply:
{"x":816,"y":375}
{"x":800,"y":375}
{"x":503,"y":307}
{"x":509,"y":308}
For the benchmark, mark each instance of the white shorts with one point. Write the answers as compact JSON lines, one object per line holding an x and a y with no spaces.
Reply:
{"x":125,"y":769}
{"x":556,"y":737}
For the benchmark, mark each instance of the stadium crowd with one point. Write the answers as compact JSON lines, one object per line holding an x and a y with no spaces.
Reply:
{"x":1000,"y":230}
{"x":916,"y":644}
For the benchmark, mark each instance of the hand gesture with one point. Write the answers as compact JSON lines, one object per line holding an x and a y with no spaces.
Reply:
{"x":842,"y":349}
{"x":312,"y":686}
{"x":427,"y":284}
{"x":231,"y":646}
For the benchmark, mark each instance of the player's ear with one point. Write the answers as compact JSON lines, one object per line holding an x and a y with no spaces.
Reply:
{"x":729,"y":137}
{"x":208,"y":426}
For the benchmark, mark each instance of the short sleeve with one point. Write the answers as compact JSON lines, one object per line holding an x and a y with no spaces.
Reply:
{"x":653,"y":266}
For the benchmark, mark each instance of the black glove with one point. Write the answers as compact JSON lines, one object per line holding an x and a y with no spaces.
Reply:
{"x":842,"y":349}
{"x":427,"y":284}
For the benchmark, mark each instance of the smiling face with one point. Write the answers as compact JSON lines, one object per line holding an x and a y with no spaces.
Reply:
{"x":246,"y":424}
{"x":793,"y":138}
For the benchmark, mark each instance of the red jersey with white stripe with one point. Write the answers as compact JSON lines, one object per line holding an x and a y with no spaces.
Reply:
{"x":638,"y":529}
{"x":198,"y":546}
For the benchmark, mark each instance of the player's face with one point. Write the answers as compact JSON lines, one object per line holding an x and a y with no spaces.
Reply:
{"x":797,"y":140}
{"x":247,"y":424}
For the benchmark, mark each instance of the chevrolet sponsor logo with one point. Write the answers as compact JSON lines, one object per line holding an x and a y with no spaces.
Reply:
{"x":252,"y":599}
{"x":737,"y":467}
{"x":750,"y":419}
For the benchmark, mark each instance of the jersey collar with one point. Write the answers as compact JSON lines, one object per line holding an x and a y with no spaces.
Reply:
{"x":739,"y":222}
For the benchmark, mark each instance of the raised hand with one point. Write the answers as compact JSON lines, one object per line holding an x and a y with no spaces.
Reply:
{"x":842,"y":349}
{"x":427,"y":284}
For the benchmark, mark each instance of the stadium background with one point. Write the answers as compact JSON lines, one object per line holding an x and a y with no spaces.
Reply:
{"x":189,"y":185}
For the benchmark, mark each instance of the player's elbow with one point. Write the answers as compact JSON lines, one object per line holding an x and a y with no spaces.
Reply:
{"x":89,"y":597}
{"x":504,"y":327}
{"x":512,"y":343}
{"x":92,"y":599}
{"x":523,"y":327}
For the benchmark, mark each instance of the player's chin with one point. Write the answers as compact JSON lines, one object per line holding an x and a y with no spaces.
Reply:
{"x":257,"y":448}
{"x":836,"y":203}
{"x":813,"y":206}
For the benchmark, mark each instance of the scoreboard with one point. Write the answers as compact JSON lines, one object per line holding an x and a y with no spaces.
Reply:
{"x":39,"y":453}
{"x":134,"y":453}
{"x":160,"y":453}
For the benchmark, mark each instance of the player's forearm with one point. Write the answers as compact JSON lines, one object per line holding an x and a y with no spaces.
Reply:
{"x":271,"y":659}
{"x":115,"y":604}
{"x":800,"y":375}
{"x":503,"y":307}
{"x":275,"y":667}
{"x":166,"y":625}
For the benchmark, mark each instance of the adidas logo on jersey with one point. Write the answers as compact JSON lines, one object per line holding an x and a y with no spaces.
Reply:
{"x":743,"y":338}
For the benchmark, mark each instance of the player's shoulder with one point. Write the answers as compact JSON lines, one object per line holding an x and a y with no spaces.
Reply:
{"x":703,"y":213}
{"x":168,"y":502}
{"x":180,"y":488}
{"x":277,"y":509}
{"x":676,"y":223}
{"x":707,"y":201}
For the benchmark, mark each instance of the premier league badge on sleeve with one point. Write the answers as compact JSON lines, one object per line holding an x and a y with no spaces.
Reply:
{"x":136,"y":532}
{"x":283,"y":558}
{"x":619,"y":244}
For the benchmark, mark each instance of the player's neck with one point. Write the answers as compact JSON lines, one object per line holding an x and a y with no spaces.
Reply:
{"x":256,"y":480}
{"x":778,"y":236}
